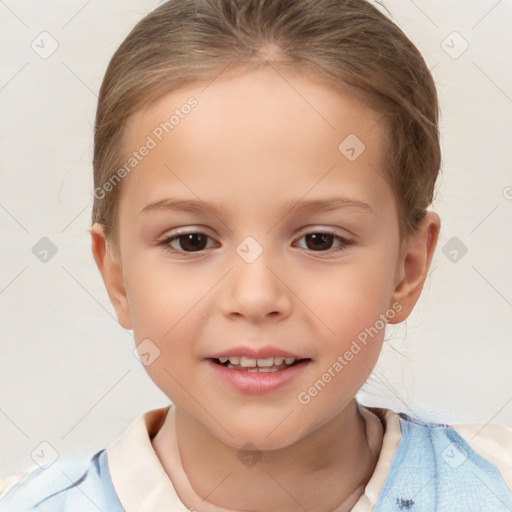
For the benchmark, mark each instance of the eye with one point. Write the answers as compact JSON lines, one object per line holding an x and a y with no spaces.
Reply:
{"x":195,"y":242}
{"x":323,"y":241}
{"x":186,"y":242}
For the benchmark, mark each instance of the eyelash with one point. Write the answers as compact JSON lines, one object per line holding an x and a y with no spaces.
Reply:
{"x":345,"y":243}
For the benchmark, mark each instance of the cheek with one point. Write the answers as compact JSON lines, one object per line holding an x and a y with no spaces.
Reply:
{"x":353,"y":328}
{"x":160,"y":296}
{"x":350,"y":302}
{"x":165,"y":306}
{"x":169,"y":306}
{"x":349,"y":299}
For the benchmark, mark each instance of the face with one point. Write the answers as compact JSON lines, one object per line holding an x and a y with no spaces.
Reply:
{"x":258,"y":225}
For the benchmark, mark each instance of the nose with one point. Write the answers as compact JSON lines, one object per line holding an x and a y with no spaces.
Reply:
{"x":256,"y":291}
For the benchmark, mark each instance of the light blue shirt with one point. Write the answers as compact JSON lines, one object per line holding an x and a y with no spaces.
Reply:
{"x":433,"y":470}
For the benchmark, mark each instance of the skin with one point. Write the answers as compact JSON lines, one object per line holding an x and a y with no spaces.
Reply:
{"x":253,"y":143}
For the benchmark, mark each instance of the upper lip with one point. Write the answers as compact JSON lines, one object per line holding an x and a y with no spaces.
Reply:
{"x":254,"y":353}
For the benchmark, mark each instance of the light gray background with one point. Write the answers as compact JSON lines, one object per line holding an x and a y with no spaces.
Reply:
{"x":68,"y":375}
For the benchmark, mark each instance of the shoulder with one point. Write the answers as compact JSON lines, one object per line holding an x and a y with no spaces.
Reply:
{"x":489,"y":441}
{"x":457,"y":467}
{"x":493,"y":442}
{"x":7,"y":482}
{"x":71,"y":483}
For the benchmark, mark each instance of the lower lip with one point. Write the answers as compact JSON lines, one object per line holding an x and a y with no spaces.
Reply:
{"x":256,"y":383}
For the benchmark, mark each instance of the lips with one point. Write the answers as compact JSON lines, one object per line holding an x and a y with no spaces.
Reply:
{"x":257,"y":380}
{"x":257,"y":370}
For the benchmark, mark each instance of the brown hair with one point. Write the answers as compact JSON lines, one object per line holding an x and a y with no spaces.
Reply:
{"x":349,"y":43}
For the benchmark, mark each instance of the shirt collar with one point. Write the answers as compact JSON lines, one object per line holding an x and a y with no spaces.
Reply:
{"x":142,"y":485}
{"x":139,"y":479}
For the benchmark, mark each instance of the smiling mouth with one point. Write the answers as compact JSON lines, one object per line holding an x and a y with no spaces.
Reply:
{"x":246,"y":364}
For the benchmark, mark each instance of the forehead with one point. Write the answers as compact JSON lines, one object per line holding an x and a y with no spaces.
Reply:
{"x":250,"y":134}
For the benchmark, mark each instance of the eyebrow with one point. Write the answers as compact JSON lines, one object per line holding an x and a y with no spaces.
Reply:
{"x":311,"y":205}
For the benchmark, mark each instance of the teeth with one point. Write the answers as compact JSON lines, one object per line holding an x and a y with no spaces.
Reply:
{"x":264,"y":363}
{"x":259,"y":370}
{"x":248,"y":362}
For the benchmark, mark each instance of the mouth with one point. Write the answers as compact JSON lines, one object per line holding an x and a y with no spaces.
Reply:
{"x":251,"y":365}
{"x":254,"y":376}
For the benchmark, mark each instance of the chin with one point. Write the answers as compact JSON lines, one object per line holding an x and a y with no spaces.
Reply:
{"x":264,"y":435}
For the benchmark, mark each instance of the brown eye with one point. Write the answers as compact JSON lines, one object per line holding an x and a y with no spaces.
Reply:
{"x":193,"y":242}
{"x":319,"y":241}
{"x":190,"y":242}
{"x":324,"y":242}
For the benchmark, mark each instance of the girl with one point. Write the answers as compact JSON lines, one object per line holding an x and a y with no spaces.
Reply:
{"x":262,"y":173}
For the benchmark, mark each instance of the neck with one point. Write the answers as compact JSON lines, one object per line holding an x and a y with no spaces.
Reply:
{"x":336,"y":461}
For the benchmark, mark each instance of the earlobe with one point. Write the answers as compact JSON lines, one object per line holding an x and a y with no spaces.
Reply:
{"x":111,"y":271}
{"x":414,"y":264}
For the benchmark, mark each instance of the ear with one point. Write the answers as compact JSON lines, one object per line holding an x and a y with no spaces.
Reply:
{"x":109,"y":265}
{"x":413,"y":266}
